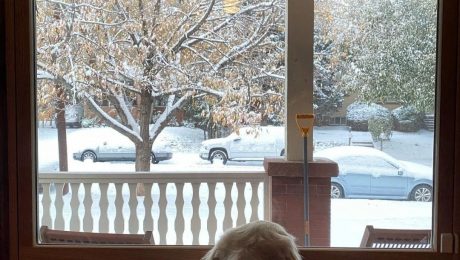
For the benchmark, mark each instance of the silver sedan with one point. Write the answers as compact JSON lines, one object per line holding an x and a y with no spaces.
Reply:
{"x":112,"y":151}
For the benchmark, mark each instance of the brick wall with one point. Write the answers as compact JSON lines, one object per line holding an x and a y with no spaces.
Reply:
{"x":287,"y":200}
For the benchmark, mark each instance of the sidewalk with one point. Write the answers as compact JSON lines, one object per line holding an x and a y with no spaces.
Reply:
{"x":414,"y":147}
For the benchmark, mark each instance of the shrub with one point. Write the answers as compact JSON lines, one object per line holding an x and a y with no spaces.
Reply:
{"x":89,"y":122}
{"x":359,"y":113}
{"x":407,"y":119}
{"x":380,"y":124}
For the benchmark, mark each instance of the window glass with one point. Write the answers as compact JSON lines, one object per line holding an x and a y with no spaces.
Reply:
{"x":375,"y":69}
{"x":160,"y":114}
{"x":143,"y":104}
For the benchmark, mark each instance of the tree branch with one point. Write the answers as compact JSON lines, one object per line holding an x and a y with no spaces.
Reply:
{"x":131,"y":134}
{"x":194,"y":28}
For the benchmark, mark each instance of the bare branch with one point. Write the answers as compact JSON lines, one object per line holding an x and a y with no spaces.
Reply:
{"x":131,"y":134}
{"x":161,"y":122}
{"x":194,"y":28}
{"x":238,"y":50}
{"x":228,"y":20}
{"x":190,"y":88}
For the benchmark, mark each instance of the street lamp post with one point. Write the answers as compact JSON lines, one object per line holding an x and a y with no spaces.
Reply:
{"x":349,"y":135}
{"x":382,"y":136}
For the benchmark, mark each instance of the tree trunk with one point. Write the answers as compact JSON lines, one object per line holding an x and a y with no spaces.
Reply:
{"x":61,"y":133}
{"x":144,"y":148}
{"x":143,"y":156}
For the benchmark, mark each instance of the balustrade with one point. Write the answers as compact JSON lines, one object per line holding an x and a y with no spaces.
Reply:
{"x":180,"y":208}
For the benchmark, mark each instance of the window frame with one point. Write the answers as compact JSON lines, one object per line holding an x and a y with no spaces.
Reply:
{"x":20,"y":140}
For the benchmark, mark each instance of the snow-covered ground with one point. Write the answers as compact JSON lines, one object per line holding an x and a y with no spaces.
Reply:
{"x":185,"y":144}
{"x":349,"y":216}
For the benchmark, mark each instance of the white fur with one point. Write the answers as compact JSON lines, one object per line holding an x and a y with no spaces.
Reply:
{"x":259,"y":240}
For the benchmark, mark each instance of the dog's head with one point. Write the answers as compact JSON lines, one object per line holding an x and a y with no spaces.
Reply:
{"x":257,"y":240}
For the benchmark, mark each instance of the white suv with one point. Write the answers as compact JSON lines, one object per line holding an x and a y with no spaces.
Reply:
{"x":248,"y":143}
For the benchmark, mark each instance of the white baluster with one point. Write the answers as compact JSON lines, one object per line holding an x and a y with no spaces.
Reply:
{"x":148,"y":202}
{"x":179,"y":224}
{"x":254,"y":201}
{"x":163,"y":218}
{"x":103,"y":206}
{"x":46,"y":201}
{"x":228,"y":222}
{"x":59,"y":204}
{"x":240,"y":204}
{"x":132,"y":203}
{"x":87,"y":203}
{"x":195,"y":221}
{"x":212,"y":220}
{"x":74,"y":204}
{"x":119,"y":223}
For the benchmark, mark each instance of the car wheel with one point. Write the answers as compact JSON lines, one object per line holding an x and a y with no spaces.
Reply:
{"x":336,"y":191}
{"x":88,"y":155}
{"x":218,"y":156}
{"x":422,"y":193}
{"x":154,"y":159}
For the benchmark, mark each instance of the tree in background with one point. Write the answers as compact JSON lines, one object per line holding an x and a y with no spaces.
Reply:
{"x":328,"y":57}
{"x":393,"y":55}
{"x":144,"y":52}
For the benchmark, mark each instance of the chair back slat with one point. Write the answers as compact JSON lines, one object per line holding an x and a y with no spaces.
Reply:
{"x":50,"y":236}
{"x":396,"y":238}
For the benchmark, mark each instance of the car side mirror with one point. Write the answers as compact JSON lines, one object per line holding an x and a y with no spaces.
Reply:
{"x":400,"y":172}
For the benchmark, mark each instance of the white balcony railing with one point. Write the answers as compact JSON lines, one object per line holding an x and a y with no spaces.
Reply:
{"x":180,"y":208}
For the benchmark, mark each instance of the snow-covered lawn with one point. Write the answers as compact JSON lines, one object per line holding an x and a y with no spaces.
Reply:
{"x":349,"y":216}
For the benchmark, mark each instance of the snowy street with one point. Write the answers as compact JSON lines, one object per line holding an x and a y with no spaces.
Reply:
{"x":185,"y":144}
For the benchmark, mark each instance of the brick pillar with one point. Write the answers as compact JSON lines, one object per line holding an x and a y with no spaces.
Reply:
{"x":287,"y":197}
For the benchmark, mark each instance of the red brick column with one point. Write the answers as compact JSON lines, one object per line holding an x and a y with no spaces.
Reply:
{"x":287,"y":197}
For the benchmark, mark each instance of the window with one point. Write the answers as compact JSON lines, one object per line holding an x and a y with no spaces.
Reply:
{"x":24,"y":125}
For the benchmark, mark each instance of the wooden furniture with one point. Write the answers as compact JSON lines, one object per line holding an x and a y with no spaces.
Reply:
{"x":50,"y":236}
{"x":396,"y":238}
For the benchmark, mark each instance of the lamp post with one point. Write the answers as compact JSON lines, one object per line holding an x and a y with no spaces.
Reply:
{"x":305,"y":123}
{"x":381,"y":136}
{"x":350,"y":135}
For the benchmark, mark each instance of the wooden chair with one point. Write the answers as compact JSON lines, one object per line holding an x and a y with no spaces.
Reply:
{"x":395,"y":238}
{"x":50,"y":236}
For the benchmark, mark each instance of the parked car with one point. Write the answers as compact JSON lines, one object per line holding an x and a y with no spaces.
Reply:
{"x":370,"y":173}
{"x":119,"y":151}
{"x":248,"y":143}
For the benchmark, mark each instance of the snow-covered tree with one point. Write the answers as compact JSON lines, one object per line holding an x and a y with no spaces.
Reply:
{"x":327,"y":96}
{"x":145,"y":52}
{"x":393,"y":55}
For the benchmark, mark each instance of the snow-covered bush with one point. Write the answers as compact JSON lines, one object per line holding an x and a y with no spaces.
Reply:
{"x":89,"y":122}
{"x":359,"y":113}
{"x":407,"y":119}
{"x":378,"y":125}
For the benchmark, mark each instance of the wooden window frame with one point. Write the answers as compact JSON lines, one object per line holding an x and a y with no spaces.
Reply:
{"x":18,"y":140}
